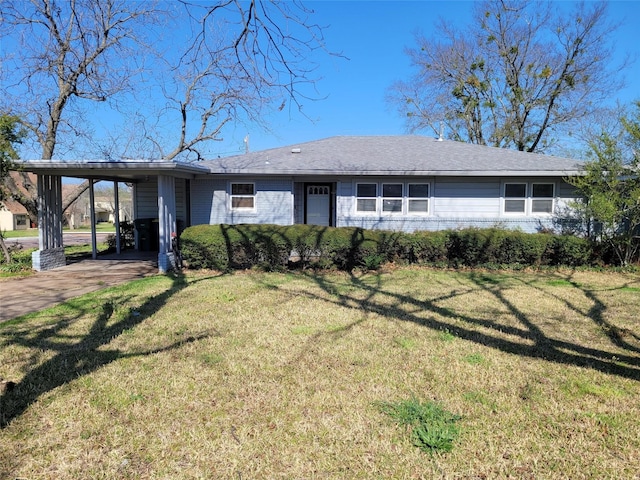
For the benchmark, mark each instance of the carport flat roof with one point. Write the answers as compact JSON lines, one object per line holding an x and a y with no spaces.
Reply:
{"x":129,"y":170}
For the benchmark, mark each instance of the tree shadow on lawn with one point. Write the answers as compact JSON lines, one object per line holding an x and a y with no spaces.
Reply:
{"x":73,"y":359}
{"x":534,"y":342}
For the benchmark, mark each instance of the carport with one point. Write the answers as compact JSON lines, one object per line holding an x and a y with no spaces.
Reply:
{"x":161,"y":193}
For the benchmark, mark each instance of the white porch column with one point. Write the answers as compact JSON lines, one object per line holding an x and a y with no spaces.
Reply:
{"x":166,"y":221}
{"x":92,"y":209}
{"x":116,"y":198}
{"x":50,"y":242}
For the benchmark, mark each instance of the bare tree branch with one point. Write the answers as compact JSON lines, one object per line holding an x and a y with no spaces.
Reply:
{"x":520,"y":76}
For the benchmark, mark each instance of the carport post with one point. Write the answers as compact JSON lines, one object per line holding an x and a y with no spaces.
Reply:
{"x":94,"y":241}
{"x":50,"y":253}
{"x":116,"y":197}
{"x":166,"y":220}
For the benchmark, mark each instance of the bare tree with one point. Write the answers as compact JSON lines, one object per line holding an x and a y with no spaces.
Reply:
{"x":68,"y":51}
{"x":244,"y":58}
{"x":194,"y":67}
{"x":520,"y":76}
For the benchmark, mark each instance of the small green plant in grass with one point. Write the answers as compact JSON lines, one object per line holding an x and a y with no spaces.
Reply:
{"x":432,"y":427}
{"x":474,"y":359}
{"x":210,"y":358}
{"x":446,"y":336}
{"x":404,"y":342}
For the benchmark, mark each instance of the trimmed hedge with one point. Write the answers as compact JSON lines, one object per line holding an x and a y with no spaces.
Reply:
{"x":274,"y":247}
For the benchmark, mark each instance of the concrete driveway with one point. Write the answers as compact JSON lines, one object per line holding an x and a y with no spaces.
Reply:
{"x":19,"y":296}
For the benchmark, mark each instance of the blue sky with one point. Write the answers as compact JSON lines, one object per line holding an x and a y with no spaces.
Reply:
{"x":373,"y":36}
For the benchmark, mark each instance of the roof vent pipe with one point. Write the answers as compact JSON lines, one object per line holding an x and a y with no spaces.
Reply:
{"x":441,"y":132}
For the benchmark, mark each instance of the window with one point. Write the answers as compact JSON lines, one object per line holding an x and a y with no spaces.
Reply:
{"x":243,"y":196}
{"x":515,"y":195}
{"x":418,"y":198}
{"x":529,"y":198}
{"x":542,"y":197}
{"x":21,"y":220}
{"x":367,"y":196}
{"x":392,"y":197}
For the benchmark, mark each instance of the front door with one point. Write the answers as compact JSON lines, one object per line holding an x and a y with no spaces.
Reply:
{"x":319,"y":205}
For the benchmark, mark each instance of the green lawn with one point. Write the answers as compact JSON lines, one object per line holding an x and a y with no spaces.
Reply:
{"x":33,"y":232}
{"x":276,"y":375}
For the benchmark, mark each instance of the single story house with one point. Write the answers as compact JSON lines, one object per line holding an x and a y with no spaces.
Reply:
{"x":402,"y":183}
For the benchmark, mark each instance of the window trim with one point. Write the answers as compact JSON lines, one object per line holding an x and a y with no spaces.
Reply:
{"x":379,"y":198}
{"x":427,"y":198}
{"x":374,"y":198}
{"x":401,"y":198}
{"x":528,"y":198}
{"x":552,"y":198}
{"x":505,"y":198}
{"x":232,"y":196}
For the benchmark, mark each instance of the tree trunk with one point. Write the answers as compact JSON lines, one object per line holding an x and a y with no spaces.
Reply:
{"x":73,"y":196}
{"x":5,"y":250}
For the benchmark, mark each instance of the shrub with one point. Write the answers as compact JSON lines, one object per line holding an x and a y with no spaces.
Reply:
{"x":270,"y":247}
{"x":424,"y":247}
{"x":472,"y":246}
{"x":569,"y":250}
{"x":205,"y":246}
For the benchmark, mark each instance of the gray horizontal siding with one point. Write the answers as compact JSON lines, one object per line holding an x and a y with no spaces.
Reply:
{"x":465,"y":198}
{"x":210,"y":205}
{"x":412,"y":224}
{"x":454,"y":203}
{"x":208,"y":198}
{"x":147,"y":199}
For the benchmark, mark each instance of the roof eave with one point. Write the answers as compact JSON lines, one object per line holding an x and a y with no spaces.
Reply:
{"x":404,"y":173}
{"x":98,"y":169}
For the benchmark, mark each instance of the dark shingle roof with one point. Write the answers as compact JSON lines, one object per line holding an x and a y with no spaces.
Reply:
{"x":392,"y":155}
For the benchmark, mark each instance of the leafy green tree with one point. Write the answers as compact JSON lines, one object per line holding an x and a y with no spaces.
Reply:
{"x":609,"y":209}
{"x":10,"y":135}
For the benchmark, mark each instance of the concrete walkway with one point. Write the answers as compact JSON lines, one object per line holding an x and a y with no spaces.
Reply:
{"x":19,"y":296}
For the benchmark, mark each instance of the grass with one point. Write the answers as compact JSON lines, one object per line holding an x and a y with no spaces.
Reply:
{"x":103,"y":227}
{"x":277,"y":375}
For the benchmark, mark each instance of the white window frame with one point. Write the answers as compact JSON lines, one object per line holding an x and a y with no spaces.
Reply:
{"x":546,"y":199}
{"x":529,"y":199}
{"x":243,"y":195}
{"x":392,"y":199}
{"x":405,"y":198}
{"x":374,"y":198}
{"x":427,"y":198}
{"x":505,"y":199}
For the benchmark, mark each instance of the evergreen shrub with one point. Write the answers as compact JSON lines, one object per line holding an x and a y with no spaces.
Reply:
{"x":275,"y":247}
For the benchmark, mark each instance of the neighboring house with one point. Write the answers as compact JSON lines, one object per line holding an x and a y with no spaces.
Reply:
{"x":105,"y":210}
{"x":401,"y":183}
{"x":13,"y":216}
